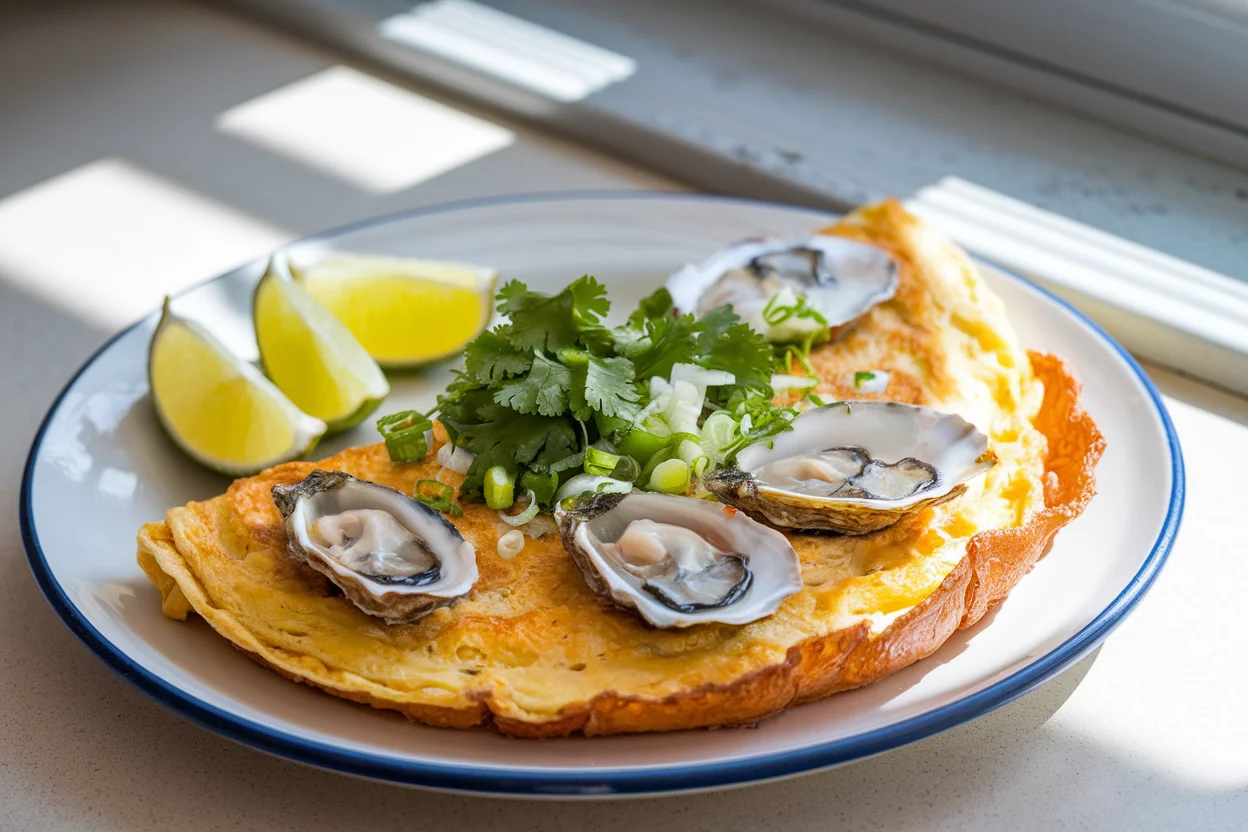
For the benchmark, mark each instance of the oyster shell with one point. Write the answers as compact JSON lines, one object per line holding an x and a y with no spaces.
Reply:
{"x":393,"y":556}
{"x":842,"y":279}
{"x":855,"y":467}
{"x":679,"y":561}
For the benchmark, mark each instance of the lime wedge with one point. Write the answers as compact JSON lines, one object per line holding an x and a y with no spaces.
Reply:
{"x":312,"y":357}
{"x":219,"y":409}
{"x":405,"y":312}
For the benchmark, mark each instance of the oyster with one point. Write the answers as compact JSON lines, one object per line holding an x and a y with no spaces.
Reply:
{"x":679,"y":561}
{"x":855,"y":467}
{"x":394,"y":557}
{"x":839,"y":278}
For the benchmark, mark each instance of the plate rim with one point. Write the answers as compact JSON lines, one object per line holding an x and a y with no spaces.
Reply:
{"x":599,"y":783}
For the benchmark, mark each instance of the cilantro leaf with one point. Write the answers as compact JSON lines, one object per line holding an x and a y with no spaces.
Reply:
{"x":609,"y":387}
{"x":489,"y":357}
{"x":744,"y":353}
{"x":715,"y":325}
{"x":536,"y":392}
{"x":655,"y":305}
{"x":501,"y":436}
{"x":663,"y":343}
{"x":543,"y":389}
{"x":545,"y":322}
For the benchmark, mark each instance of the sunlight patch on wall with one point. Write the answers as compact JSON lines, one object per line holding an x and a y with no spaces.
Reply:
{"x":365,"y":131}
{"x":107,"y":241}
{"x":511,"y":49}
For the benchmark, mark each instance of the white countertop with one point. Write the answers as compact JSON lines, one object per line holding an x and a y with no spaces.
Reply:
{"x":99,"y":103}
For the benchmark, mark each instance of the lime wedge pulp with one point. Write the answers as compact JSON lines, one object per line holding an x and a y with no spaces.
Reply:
{"x":218,"y":408}
{"x":405,"y":312}
{"x":310,"y":355}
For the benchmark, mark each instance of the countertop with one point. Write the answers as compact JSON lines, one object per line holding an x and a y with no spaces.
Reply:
{"x":111,"y":113}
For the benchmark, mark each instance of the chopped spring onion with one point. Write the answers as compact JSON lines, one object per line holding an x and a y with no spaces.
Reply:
{"x":700,"y":465}
{"x":542,"y":485}
{"x":600,"y":463}
{"x":686,"y":446}
{"x":530,"y":511}
{"x":670,"y":477}
{"x":785,"y":305}
{"x":645,"y":442}
{"x":510,"y":544}
{"x":627,"y":469}
{"x":499,"y":487}
{"x":815,"y":400}
{"x":437,"y":495}
{"x":406,"y":435}
{"x":582,"y":483}
{"x":718,"y":432}
{"x":458,"y":460}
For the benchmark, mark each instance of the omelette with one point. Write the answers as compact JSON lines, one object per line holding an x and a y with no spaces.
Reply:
{"x":532,"y":651}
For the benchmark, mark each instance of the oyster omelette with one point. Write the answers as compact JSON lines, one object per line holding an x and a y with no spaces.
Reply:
{"x":922,"y":464}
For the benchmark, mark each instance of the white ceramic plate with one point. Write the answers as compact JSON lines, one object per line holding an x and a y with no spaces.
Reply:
{"x":100,"y":467}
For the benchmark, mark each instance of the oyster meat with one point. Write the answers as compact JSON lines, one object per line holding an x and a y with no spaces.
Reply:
{"x":839,"y":278}
{"x":679,"y":561}
{"x":855,"y":467}
{"x":392,"y":556}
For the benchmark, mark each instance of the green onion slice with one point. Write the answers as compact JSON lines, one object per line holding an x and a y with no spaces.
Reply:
{"x":500,"y":488}
{"x":437,"y":495}
{"x":404,"y":435}
{"x":670,"y":477}
{"x":543,"y":485}
{"x":525,"y":516}
{"x":626,"y":470}
{"x":600,"y":463}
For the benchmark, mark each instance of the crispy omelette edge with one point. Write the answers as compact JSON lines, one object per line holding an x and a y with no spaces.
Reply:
{"x":845,"y":659}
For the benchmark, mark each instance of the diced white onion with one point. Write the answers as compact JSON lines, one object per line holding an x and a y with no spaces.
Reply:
{"x":510,"y":544}
{"x":458,"y":460}
{"x":684,"y":408}
{"x":877,"y":384}
{"x":781,"y":382}
{"x":444,"y":454}
{"x":660,"y":395}
{"x":700,"y":377}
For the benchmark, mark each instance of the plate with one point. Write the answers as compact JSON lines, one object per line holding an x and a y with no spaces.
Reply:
{"x":100,"y":467}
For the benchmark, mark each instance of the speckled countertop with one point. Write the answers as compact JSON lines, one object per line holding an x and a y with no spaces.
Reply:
{"x":1149,"y":732}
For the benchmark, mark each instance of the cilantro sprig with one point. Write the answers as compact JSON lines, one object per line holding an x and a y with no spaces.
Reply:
{"x":554,"y":391}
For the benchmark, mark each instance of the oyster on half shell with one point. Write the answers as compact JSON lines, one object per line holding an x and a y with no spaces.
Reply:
{"x":392,"y":556}
{"x":841,"y":279}
{"x":679,"y":561}
{"x":855,"y":467}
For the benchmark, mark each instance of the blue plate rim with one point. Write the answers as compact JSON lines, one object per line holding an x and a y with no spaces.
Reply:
{"x":602,"y":783}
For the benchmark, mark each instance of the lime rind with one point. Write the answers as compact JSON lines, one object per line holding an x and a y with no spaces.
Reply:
{"x":307,"y":430}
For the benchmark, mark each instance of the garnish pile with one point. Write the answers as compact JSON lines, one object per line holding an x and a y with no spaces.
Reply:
{"x":554,"y":403}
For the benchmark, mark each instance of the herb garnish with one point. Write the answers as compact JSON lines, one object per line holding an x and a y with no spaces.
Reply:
{"x":554,"y":392}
